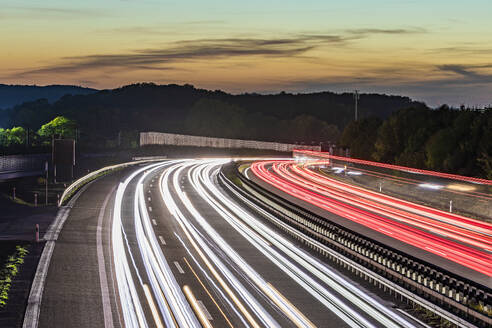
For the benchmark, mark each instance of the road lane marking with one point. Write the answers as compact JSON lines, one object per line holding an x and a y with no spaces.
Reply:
{"x":108,"y":315}
{"x":198,"y":249}
{"x":154,"y":222}
{"x":208,"y":293}
{"x":204,"y":309}
{"x":180,"y":269}
{"x":150,"y":208}
{"x":149,"y":199}
{"x":163,"y":242}
{"x":196,"y":307}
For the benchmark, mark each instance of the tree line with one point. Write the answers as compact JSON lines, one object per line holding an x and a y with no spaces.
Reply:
{"x":102,"y":116}
{"x":19,"y":138}
{"x":445,"y":139}
{"x":392,"y":129}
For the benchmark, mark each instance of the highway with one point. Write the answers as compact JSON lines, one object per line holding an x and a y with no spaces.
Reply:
{"x":450,"y":237}
{"x":169,"y":247}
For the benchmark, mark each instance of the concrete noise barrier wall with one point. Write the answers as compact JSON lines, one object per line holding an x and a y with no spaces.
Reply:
{"x":158,"y":138}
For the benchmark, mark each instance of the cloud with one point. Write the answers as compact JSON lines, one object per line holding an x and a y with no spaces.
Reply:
{"x":466,"y":74}
{"x":371,"y":31}
{"x":164,"y":57}
{"x":462,"y":50}
{"x":463,"y":85}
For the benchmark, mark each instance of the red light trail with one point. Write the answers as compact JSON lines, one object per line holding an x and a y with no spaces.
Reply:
{"x":460,"y":239}
{"x":392,"y":167}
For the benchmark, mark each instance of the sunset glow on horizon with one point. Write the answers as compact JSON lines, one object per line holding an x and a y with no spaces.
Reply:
{"x":434,"y":51}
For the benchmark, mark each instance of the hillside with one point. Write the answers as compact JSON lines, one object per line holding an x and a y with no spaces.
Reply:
{"x":12,"y":95}
{"x":185,"y":109}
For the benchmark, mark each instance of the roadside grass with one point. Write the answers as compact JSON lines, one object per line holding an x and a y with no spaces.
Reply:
{"x":11,"y":258}
{"x":17,"y":200}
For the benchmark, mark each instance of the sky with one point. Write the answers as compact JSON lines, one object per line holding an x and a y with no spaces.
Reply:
{"x":434,"y":51}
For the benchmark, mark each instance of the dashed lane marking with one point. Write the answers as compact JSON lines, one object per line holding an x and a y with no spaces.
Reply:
{"x":204,"y":309}
{"x":180,"y":269}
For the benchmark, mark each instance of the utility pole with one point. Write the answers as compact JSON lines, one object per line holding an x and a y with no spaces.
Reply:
{"x":356,"y":98}
{"x":46,"y":182}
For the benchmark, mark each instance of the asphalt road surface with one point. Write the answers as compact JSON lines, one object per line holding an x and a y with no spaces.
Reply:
{"x":164,"y":245}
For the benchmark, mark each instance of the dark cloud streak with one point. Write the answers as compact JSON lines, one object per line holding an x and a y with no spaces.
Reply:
{"x":165,"y":56}
{"x":466,"y":74}
{"x":462,"y":51}
{"x":370,"y":31}
{"x":186,"y":50}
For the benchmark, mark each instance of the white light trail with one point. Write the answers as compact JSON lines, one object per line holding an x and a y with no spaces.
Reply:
{"x":338,"y":283}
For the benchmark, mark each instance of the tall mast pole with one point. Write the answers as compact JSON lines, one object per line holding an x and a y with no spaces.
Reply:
{"x":356,"y":98}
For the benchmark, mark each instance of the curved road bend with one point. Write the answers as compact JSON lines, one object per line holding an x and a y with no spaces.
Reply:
{"x":386,"y":239}
{"x":177,"y":251}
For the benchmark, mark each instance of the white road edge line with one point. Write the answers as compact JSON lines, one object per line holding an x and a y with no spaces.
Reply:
{"x":31,"y":317}
{"x":103,"y":278}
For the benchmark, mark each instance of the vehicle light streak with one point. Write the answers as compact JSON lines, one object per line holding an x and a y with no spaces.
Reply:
{"x":465,"y":255}
{"x":472,"y":237}
{"x":208,"y":293}
{"x":460,"y":190}
{"x":155,"y":314}
{"x":194,"y":238}
{"x":172,"y":303}
{"x":248,"y":270}
{"x":157,"y":264}
{"x":450,"y":218}
{"x":477,"y":231}
{"x":131,"y":307}
{"x":351,"y":293}
{"x":212,"y":282}
{"x":196,"y":307}
{"x":393,"y":167}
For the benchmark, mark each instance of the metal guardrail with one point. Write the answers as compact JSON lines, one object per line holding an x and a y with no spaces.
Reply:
{"x":76,"y":185}
{"x":391,"y":271}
